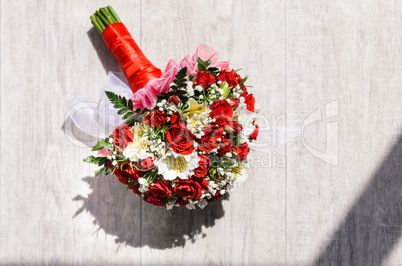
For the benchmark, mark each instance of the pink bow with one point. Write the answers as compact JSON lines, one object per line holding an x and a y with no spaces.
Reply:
{"x":146,"y":97}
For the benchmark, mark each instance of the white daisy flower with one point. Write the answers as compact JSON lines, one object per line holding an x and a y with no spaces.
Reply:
{"x":173,"y":165}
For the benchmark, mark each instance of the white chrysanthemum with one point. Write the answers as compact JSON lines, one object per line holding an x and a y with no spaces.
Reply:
{"x":173,"y":165}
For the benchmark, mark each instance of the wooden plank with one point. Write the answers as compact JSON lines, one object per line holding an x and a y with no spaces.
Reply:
{"x":249,"y":228}
{"x":345,"y":53}
{"x":47,"y":58}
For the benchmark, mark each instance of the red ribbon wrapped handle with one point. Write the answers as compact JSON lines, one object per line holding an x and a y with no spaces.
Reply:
{"x":137,"y":68}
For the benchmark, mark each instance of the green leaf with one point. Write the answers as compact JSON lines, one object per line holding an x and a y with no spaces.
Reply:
{"x":171,"y":93}
{"x":135,"y":118}
{"x":122,"y":111}
{"x":138,"y":110}
{"x":183,"y":99}
{"x":120,"y":103}
{"x":182,"y":73}
{"x":99,"y":172}
{"x":182,"y":85}
{"x":214,"y":71}
{"x":124,"y":101}
{"x":96,"y":160}
{"x":130,"y":104}
{"x":181,"y":79}
{"x":128,"y":115}
{"x":237,"y":70}
{"x":89,"y":159}
{"x":99,"y":145}
{"x":245,"y":78}
{"x":107,"y":171}
{"x":202,"y":65}
{"x":226,"y":89}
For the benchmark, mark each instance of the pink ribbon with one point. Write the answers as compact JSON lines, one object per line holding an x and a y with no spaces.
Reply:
{"x":146,"y":97}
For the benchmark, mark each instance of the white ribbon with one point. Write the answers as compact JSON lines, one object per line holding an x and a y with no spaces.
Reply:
{"x":100,"y":119}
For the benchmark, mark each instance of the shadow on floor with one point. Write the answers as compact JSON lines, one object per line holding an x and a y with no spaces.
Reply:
{"x":108,"y":61}
{"x":374,"y":223}
{"x":123,"y":214}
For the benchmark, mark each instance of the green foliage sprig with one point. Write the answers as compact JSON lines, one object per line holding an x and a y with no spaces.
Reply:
{"x":100,"y":161}
{"x":125,"y":108}
{"x":120,"y":103}
{"x":180,"y":80}
{"x":203,"y":65}
{"x":101,"y":144}
{"x":96,"y":160}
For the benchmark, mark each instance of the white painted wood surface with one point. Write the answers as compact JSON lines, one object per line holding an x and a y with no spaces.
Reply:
{"x":300,"y":56}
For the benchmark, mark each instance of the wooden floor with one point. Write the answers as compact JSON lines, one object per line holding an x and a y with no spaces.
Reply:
{"x":332,"y":195}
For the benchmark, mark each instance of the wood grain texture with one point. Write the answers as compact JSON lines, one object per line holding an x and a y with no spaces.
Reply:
{"x":300,"y":56}
{"x":348,"y":52}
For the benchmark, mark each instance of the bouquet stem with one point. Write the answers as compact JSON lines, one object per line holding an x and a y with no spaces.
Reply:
{"x":103,"y":17}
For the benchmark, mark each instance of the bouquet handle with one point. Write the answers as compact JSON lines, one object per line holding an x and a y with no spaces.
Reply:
{"x":136,"y":67}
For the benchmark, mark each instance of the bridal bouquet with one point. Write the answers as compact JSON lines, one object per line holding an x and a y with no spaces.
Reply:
{"x":183,"y":141}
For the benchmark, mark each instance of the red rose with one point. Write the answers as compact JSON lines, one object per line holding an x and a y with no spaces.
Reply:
{"x":221,"y":111}
{"x":229,"y":77}
{"x":126,"y":172}
{"x":161,"y":189}
{"x":205,"y":79}
{"x":242,"y":151}
{"x":147,"y":164}
{"x":182,"y":202}
{"x":179,"y":139}
{"x":255,"y":133}
{"x":122,"y":136}
{"x":250,"y":101}
{"x":226,"y":147}
{"x":209,"y":141}
{"x":155,"y":119}
{"x":234,"y":103}
{"x":202,"y":181}
{"x":155,"y":200}
{"x":203,"y":166}
{"x":187,"y":188}
{"x":136,"y":189}
{"x":174,"y":99}
{"x":175,"y":118}
{"x":236,"y":126}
